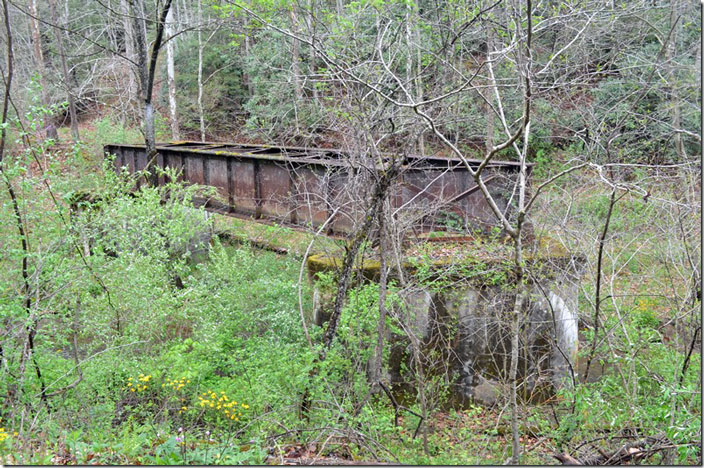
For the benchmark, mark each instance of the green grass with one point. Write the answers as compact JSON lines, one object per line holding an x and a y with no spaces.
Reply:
{"x":233,"y":327}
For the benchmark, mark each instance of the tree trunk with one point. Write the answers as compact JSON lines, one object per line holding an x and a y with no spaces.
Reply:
{"x":171,"y":76}
{"x":130,"y":41}
{"x":418,"y":83}
{"x":310,"y":22}
{"x":140,"y":36}
{"x":380,"y":189}
{"x":339,"y":6}
{"x":49,"y":128}
{"x":521,"y":289}
{"x":520,"y":299}
{"x":247,"y":47}
{"x":147,"y":71}
{"x":513,"y":372}
{"x":487,"y":95}
{"x":295,"y":57}
{"x":201,"y":114}
{"x":67,"y":78}
{"x":383,"y":274}
{"x":670,"y":53}
{"x":31,"y":326}
{"x":597,"y":295}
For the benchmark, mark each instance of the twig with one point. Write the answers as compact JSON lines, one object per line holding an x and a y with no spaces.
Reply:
{"x":689,"y":354}
{"x":398,"y":407}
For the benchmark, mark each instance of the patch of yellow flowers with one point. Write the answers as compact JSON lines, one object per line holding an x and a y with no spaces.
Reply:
{"x":140,"y":385}
{"x":4,"y":435}
{"x":177,"y":384}
{"x":221,"y":403}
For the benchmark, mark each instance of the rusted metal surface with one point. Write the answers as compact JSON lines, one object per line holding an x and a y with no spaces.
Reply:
{"x":305,"y":186}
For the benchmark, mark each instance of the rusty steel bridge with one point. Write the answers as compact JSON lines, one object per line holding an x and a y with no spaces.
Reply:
{"x":303,"y":187}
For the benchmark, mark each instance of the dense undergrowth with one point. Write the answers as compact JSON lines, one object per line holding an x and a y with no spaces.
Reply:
{"x":156,"y":343}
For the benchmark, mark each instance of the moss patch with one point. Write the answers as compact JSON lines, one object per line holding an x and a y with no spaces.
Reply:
{"x":277,"y":238}
{"x":479,"y":261}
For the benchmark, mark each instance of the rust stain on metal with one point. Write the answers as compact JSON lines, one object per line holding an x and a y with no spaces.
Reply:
{"x":304,"y":186}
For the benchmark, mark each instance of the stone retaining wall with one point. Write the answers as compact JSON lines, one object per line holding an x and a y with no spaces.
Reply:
{"x":468,"y":324}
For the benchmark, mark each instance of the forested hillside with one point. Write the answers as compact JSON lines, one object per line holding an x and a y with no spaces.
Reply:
{"x":538,"y":301}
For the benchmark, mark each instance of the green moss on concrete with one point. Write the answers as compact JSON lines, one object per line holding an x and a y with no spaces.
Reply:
{"x":480,"y":261}
{"x":277,"y":238}
{"x":332,"y":262}
{"x":438,"y":263}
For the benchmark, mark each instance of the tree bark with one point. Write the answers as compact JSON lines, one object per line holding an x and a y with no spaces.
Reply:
{"x":147,"y":72}
{"x":247,"y":46}
{"x":295,"y":57}
{"x":597,"y":294}
{"x":130,"y":41}
{"x":488,"y":111}
{"x":380,"y":190}
{"x":41,"y":69}
{"x":171,"y":76}
{"x":201,"y":113}
{"x":670,"y":53}
{"x":383,"y":277}
{"x":67,"y":78}
{"x":31,"y":327}
{"x":524,"y":63}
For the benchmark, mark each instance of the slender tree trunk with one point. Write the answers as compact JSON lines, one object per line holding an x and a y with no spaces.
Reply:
{"x":310,"y":21}
{"x":524,"y":63}
{"x":140,"y":35}
{"x":201,"y":113}
{"x":295,"y":57}
{"x":171,"y":76}
{"x":409,"y":59}
{"x":247,"y":48}
{"x":147,"y":70}
{"x":599,"y":271}
{"x":418,"y":82}
{"x":380,"y":189}
{"x":521,"y":293}
{"x":670,"y":53}
{"x":67,"y":78}
{"x":487,"y":95}
{"x":31,"y":327}
{"x":383,"y":277}
{"x":49,"y":128}
{"x":515,"y":342}
{"x":130,"y":41}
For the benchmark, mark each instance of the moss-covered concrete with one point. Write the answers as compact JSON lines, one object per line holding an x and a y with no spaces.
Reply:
{"x":479,"y":261}
{"x":277,"y":238}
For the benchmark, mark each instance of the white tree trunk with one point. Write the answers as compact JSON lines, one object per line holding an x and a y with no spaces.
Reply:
{"x":295,"y":56}
{"x":131,"y":85}
{"x":670,"y":53}
{"x":171,"y":76}
{"x":489,"y":112}
{"x":201,"y":114}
